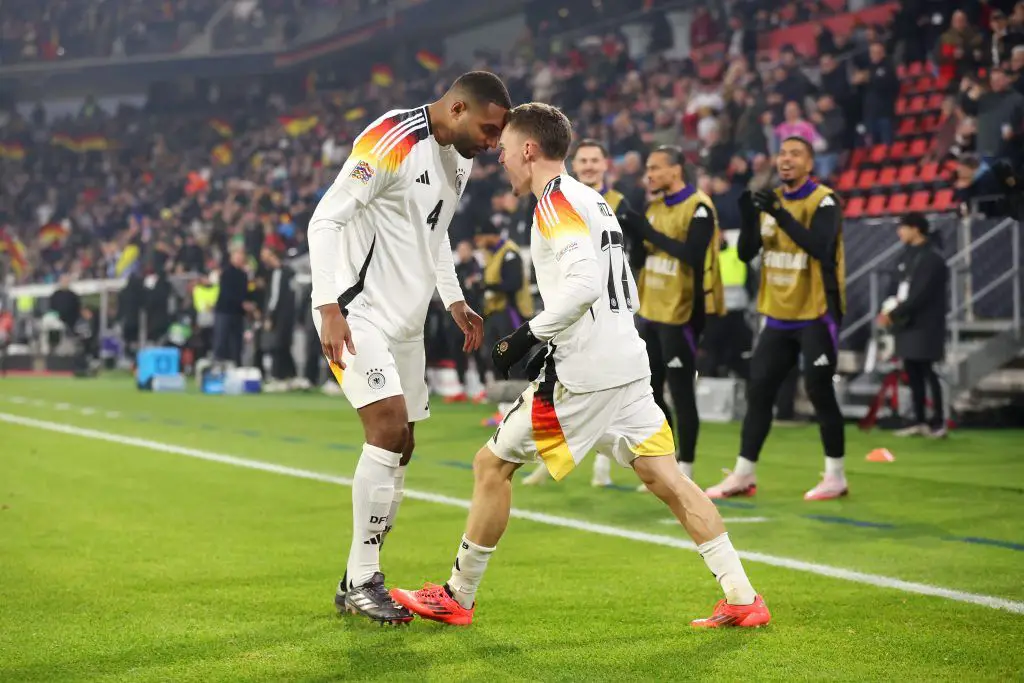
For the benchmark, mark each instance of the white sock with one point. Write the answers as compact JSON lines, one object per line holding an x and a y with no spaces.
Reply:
{"x":373,"y":492}
{"x":396,"y":502}
{"x":602,"y":467}
{"x":686,"y":468}
{"x":467,"y":571}
{"x":724,"y":563}
{"x":835,"y":467}
{"x":744,"y":467}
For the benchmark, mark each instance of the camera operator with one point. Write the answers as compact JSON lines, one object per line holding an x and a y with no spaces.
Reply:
{"x":918,"y":320}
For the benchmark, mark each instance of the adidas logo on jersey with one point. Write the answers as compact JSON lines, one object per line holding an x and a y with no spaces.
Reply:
{"x":674,"y":363}
{"x":822,"y":361}
{"x":424,"y":178}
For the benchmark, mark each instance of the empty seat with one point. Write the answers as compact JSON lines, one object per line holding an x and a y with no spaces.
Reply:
{"x":847,"y":181}
{"x":854,"y":208}
{"x":858,"y":157}
{"x":878,"y":154}
{"x":919,"y":201}
{"x":943,"y":201}
{"x":917,"y":104}
{"x":898,"y":150}
{"x":929,"y":172}
{"x":867,"y":179}
{"x":935,"y":101}
{"x":918,"y":148}
{"x":898,"y":203}
{"x":902,"y":106}
{"x":907,"y":175}
{"x":908,"y":127}
{"x":915,"y":69}
{"x":876,"y":205}
{"x":887,"y":177}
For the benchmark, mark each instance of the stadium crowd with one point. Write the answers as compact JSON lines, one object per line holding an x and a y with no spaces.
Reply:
{"x":171,"y":187}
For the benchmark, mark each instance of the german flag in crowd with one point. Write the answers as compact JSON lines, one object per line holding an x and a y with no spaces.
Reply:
{"x":298,"y":125}
{"x":355,"y":114}
{"x":222,"y":127}
{"x":53,"y":235}
{"x":428,"y":60}
{"x":82,"y":143}
{"x":14,"y":151}
{"x":382,"y":75}
{"x":222,"y":154}
{"x":15,"y":250}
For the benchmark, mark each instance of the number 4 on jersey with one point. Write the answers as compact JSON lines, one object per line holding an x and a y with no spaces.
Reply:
{"x":434,"y":216}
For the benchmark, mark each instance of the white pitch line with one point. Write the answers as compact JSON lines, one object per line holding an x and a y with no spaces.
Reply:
{"x":17,"y":399}
{"x":540,"y":517}
{"x":727,"y":520}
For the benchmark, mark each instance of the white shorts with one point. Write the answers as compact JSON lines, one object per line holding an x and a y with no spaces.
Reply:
{"x":552,"y":424}
{"x":382,"y":368}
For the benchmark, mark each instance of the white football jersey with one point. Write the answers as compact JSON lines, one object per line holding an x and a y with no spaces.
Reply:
{"x":601,"y":349}
{"x":394,"y":247}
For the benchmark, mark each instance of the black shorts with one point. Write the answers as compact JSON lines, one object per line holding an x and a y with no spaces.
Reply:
{"x":670,"y":346}
{"x":778,"y":350}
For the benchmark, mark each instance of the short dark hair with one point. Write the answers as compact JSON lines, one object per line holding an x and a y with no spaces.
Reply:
{"x":915,"y":219}
{"x":483,"y":86}
{"x":674,"y":154}
{"x":591,"y":142}
{"x":803,"y":141}
{"x":546,"y":124}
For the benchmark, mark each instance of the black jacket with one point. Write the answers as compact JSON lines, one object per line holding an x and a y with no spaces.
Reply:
{"x":919,"y":322}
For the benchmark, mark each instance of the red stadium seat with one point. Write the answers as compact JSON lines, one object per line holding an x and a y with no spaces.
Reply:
{"x":908,"y":174}
{"x":943,"y":201}
{"x":918,"y":148}
{"x":898,"y":203}
{"x":929,"y":172}
{"x":887,"y":177}
{"x":915,"y":69}
{"x":908,"y":127}
{"x":917,"y":104}
{"x":935,"y":101}
{"x":926,"y":84}
{"x":879,"y":154}
{"x":902,"y":106}
{"x":854,"y":208}
{"x":898,"y":150}
{"x":858,"y":157}
{"x":919,"y":201}
{"x":876,"y":205}
{"x":847,"y":181}
{"x":929,"y":123}
{"x":867,"y":179}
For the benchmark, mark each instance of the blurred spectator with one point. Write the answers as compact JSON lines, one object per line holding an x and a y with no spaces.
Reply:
{"x":960,"y":48}
{"x":66,"y":304}
{"x":795,"y":125}
{"x":881,"y":90}
{"x":279,"y":315}
{"x":832,"y":127}
{"x":1001,"y":40}
{"x":1000,"y":114}
{"x":229,"y":317}
{"x":742,"y":42}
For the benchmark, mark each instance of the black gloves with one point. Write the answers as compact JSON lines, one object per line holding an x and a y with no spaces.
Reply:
{"x":766,"y":200}
{"x":512,"y":349}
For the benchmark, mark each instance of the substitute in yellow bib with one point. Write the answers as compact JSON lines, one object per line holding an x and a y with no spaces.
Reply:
{"x":680,"y":237}
{"x":798,"y":230}
{"x":508,"y":302}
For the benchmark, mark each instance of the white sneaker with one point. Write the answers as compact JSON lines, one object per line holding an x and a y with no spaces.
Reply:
{"x":733,"y":485}
{"x":537,"y":477}
{"x":829,"y":488}
{"x":912,"y":430}
{"x":939,"y":433}
{"x":602,"y":472}
{"x":331,"y":388}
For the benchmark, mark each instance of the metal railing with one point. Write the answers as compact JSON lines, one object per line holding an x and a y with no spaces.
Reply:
{"x":871,"y":270}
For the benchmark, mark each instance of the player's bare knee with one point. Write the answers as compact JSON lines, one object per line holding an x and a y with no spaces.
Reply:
{"x":489,"y":469}
{"x":390,"y":437}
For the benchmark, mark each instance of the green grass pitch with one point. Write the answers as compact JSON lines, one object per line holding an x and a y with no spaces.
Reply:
{"x":123,"y":562}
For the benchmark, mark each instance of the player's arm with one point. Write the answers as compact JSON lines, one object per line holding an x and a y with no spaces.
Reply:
{"x":749,"y":244}
{"x":818,"y":240}
{"x":690,"y":251}
{"x":448,"y":287}
{"x":360,"y":180}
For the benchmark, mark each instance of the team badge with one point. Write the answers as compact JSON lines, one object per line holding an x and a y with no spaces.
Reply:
{"x":375,"y":379}
{"x":460,"y":180}
{"x":503,"y":347}
{"x":363,"y":172}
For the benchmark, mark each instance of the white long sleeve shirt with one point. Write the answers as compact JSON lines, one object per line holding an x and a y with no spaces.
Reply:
{"x":378,"y":239}
{"x":588,"y":290}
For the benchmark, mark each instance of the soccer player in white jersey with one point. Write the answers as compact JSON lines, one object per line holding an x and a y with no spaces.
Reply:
{"x":594,"y":390}
{"x":378,"y":247}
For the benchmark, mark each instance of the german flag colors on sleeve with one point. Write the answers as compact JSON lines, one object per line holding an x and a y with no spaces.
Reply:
{"x":380,"y":150}
{"x":558,"y":218}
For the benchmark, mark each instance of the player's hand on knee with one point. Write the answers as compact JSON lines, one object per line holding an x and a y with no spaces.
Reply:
{"x":335,"y":335}
{"x":512,"y":349}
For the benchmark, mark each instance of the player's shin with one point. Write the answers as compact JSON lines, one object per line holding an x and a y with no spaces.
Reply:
{"x":396,"y":502}
{"x":468,"y":571}
{"x":373,"y":494}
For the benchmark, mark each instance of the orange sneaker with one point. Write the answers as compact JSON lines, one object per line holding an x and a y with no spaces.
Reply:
{"x":747,"y":616}
{"x":434,"y":602}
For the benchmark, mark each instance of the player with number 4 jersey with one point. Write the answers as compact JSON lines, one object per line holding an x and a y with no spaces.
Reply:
{"x":378,"y":248}
{"x":593,"y":391}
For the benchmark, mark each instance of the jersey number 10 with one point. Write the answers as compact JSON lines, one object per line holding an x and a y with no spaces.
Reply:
{"x":618,"y":287}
